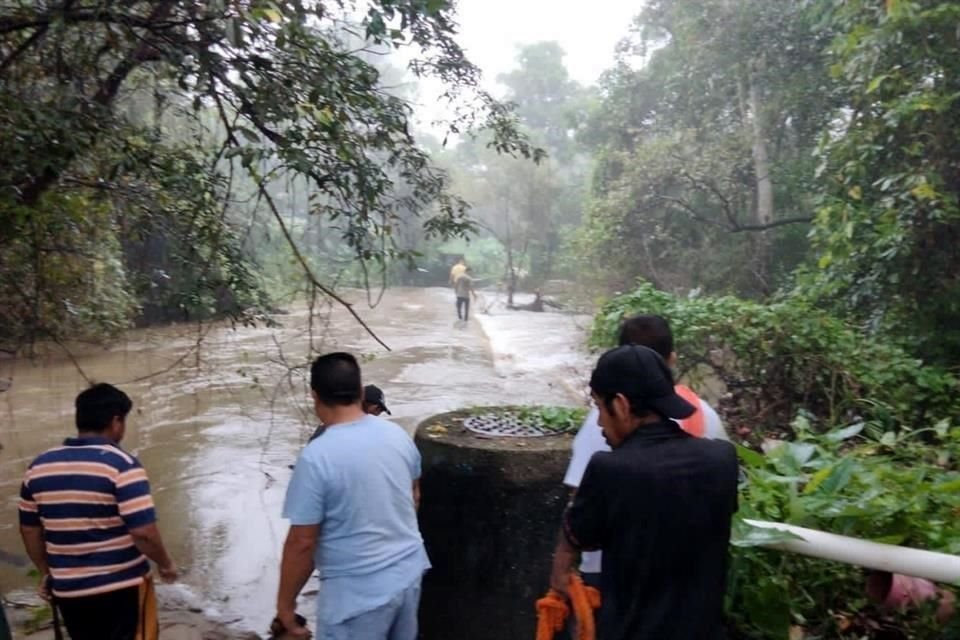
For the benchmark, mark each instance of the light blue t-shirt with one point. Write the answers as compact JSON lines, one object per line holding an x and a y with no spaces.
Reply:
{"x":356,"y":482}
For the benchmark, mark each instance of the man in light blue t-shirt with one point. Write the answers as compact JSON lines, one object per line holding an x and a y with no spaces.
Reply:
{"x":352,"y":508}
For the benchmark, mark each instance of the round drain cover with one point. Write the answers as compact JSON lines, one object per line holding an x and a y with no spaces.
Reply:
{"x":509,"y":425}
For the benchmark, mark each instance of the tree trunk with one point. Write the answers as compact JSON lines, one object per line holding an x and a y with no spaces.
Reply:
{"x":764,"y":182}
{"x":511,"y":271}
{"x":761,"y":162}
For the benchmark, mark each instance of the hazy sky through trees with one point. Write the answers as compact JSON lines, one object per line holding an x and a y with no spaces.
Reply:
{"x":492,"y":30}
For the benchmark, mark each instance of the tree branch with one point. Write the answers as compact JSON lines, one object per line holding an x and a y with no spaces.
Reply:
{"x":309,"y":271}
{"x":773,"y":225}
{"x":26,"y":44}
{"x":265,"y":194}
{"x":696,"y":215}
{"x":31,"y":192}
{"x":712,"y":188}
{"x":734,"y":226}
{"x":251,"y":113}
{"x":42,"y":21}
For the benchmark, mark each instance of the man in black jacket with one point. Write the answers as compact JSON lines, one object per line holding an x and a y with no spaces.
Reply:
{"x":659,"y":506}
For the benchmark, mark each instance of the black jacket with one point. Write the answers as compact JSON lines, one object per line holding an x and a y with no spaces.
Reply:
{"x":659,"y":506}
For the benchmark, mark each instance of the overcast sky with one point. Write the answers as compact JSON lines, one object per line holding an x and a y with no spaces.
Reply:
{"x":491,"y":31}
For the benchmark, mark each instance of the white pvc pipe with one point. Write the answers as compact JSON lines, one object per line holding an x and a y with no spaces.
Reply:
{"x":938,"y":567}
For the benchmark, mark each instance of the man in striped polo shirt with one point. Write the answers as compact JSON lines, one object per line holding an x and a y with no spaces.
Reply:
{"x":89,"y":525}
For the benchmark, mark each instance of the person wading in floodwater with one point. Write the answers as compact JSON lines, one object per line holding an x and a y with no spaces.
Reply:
{"x":88,"y":524}
{"x":457,"y":270}
{"x":352,"y":508}
{"x":659,"y":506}
{"x":463,"y":287}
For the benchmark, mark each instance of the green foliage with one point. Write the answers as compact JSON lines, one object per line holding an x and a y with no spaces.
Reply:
{"x":638,"y":223}
{"x":152,"y":109}
{"x":780,"y":358}
{"x":560,"y":419}
{"x":704,"y":153}
{"x":61,"y":273}
{"x":40,"y":618}
{"x":847,"y":483}
{"x":184,"y":254}
{"x":873,"y":452}
{"x":889,"y":219}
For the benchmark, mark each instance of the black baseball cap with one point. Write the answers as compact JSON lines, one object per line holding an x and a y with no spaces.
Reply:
{"x":372,"y":394}
{"x":642,"y":375}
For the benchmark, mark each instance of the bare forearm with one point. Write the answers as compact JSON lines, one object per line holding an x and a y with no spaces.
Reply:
{"x":35,"y":547}
{"x":295,"y":569}
{"x":564,"y":555}
{"x":149,"y":543}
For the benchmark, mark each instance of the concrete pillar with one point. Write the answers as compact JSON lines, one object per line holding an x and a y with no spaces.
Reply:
{"x":490,"y":514}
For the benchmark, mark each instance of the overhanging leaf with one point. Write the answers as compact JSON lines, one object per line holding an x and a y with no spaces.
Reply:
{"x":750,"y":457}
{"x":839,"y":435}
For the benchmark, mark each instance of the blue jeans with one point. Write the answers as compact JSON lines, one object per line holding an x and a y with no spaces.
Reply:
{"x":396,"y":620}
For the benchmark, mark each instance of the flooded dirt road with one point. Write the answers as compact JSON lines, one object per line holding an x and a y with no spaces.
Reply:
{"x":218,"y":425}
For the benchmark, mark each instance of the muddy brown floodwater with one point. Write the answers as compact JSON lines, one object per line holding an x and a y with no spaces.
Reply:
{"x":217,"y":427}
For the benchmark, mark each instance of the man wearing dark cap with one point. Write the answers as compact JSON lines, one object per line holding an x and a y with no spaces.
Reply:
{"x":659,"y":506}
{"x":374,"y":402}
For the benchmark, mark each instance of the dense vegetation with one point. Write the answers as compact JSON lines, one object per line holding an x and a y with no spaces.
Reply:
{"x":779,"y":358}
{"x":900,"y":489}
{"x":860,"y":439}
{"x":145,"y":142}
{"x":783,"y":179}
{"x":759,"y":137}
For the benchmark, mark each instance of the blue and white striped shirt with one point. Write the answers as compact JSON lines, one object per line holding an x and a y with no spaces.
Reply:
{"x":87,"y":495}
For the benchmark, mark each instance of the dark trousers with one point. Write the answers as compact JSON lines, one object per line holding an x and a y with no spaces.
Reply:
{"x":105,"y":616}
{"x":4,"y":627}
{"x":463,"y":303}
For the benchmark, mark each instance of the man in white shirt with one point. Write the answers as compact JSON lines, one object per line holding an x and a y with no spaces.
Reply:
{"x":653,"y":332}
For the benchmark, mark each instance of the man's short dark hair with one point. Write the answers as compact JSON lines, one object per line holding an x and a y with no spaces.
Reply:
{"x":335,"y":378}
{"x":648,"y":331}
{"x":98,"y":405}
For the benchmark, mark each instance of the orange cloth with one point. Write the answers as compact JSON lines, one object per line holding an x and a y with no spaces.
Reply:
{"x":552,"y":611}
{"x":149,"y":626}
{"x":696,"y":424}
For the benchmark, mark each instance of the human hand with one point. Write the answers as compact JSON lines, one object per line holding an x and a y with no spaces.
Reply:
{"x":168,"y":573}
{"x":288,"y":624}
{"x":44,"y":590}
